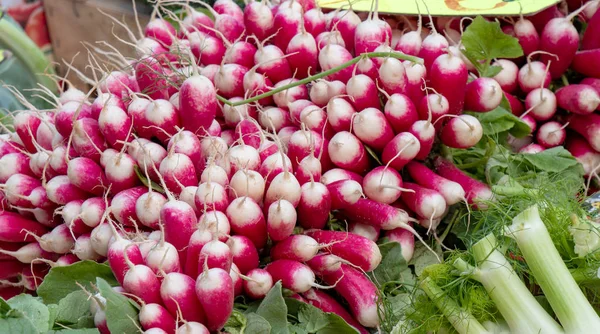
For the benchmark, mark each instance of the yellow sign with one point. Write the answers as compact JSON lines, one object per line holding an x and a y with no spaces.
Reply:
{"x":446,"y":7}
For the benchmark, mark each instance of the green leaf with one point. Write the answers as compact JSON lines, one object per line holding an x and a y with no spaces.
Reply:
{"x":500,"y":120}
{"x":75,"y":331}
{"x":392,"y":264}
{"x":61,"y":281}
{"x":4,"y":307}
{"x":312,"y":318}
{"x":329,"y":323}
{"x":274,"y":310}
{"x":33,"y":309}
{"x":53,"y":311}
{"x":556,"y":159}
{"x":73,"y":307}
{"x":17,"y":326}
{"x":485,"y":40}
{"x":236,"y":323}
{"x":491,"y":71}
{"x":337,"y":325}
{"x":256,"y":324}
{"x":121,"y":315}
{"x":422,"y":258}
{"x":145,"y":181}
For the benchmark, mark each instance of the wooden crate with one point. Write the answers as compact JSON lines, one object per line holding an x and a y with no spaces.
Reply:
{"x":72,"y":22}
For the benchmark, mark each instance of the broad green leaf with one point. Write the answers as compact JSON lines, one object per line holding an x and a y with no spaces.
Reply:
{"x":491,"y":71}
{"x":4,"y":307}
{"x":485,"y":40}
{"x":236,"y":322}
{"x":33,"y":309}
{"x":61,"y":281}
{"x":556,"y":159}
{"x":53,"y":311}
{"x":73,"y":307}
{"x":500,"y":120}
{"x":336,"y":325}
{"x":256,"y":325}
{"x":121,"y":316}
{"x":392,"y":264}
{"x":274,"y":310}
{"x":312,"y":318}
{"x":422,"y":258}
{"x":328,"y":323}
{"x":17,"y":326}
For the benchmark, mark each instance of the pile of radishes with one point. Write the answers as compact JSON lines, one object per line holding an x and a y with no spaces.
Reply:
{"x":228,"y":183}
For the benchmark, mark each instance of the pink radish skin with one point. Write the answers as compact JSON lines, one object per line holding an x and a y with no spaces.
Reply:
{"x":583,"y":152}
{"x":400,"y":112}
{"x":247,"y":183}
{"x":272,"y":63}
{"x":330,"y":37}
{"x":362,"y":92}
{"x":179,"y":221}
{"x":241,"y":53}
{"x":516,"y":106}
{"x":583,"y":59}
{"x":156,"y":317}
{"x":71,"y":214}
{"x":463,"y":131}
{"x":507,"y":77}
{"x":198,"y":103}
{"x":530,"y":121}
{"x":259,"y":284}
{"x":258,"y":20}
{"x":281,"y":220}
{"x":18,"y":188}
{"x":405,"y":239}
{"x":346,"y":22}
{"x":115,"y":125}
{"x":211,"y":196}
{"x":476,"y":192}
{"x":87,"y":175}
{"x":116,"y":83}
{"x":256,"y":84}
{"x":433,"y":106}
{"x":297,"y":247}
{"x":248,"y":133}
{"x":314,"y":21}
{"x":315,"y":119}
{"x":147,"y":208}
{"x":27,"y":253}
{"x":432,"y":47}
{"x":344,"y":193}
{"x":533,"y":75}
{"x":528,"y":37}
{"x":426,"y":203}
{"x":360,"y":293}
{"x":215,"y":254}
{"x":309,"y":169}
{"x":122,"y":205}
{"x":100,"y":238}
{"x":215,"y":291}
{"x":67,"y":114}
{"x":119,"y":169}
{"x":293,"y":275}
{"x":559,"y":37}
{"x":383,"y":185}
{"x":160,"y":30}
{"x":26,"y":125}
{"x":274,"y":119}
{"x":243,"y":156}
{"x":208,"y":50}
{"x":333,"y":55}
{"x":364,"y":230}
{"x":371,"y":33}
{"x":217,"y":223}
{"x":296,"y":109}
{"x":162,"y":119}
{"x":137,"y":109}
{"x":229,"y":80}
{"x":541,"y":104}
{"x":177,"y":293}
{"x":345,"y":245}
{"x":192,"y":327}
{"x":326,"y":303}
{"x":372,"y":128}
{"x":92,"y":210}
{"x":59,"y":240}
{"x":400,"y":150}
{"x":149,"y":75}
{"x":247,"y":219}
{"x":347,"y":152}
{"x":314,"y":206}
{"x":424,"y":131}
{"x":163,"y":257}
{"x":337,"y":174}
{"x":60,"y":191}
{"x":215,"y":174}
{"x":551,"y":134}
{"x":233,"y":115}
{"x":425,"y":177}
{"x":266,"y":149}
{"x":273,"y":165}
{"x":588,"y":127}
{"x":87,"y":140}
{"x":304,"y":45}
{"x":245,"y":255}
{"x":141,"y":281}
{"x":376,"y":214}
{"x":14,"y":163}
{"x":532,"y":149}
{"x":283,"y":186}
{"x":392,"y":76}
{"x":578,"y":99}
{"x":283,"y":99}
{"x":482,"y":95}
{"x":178,"y":172}
{"x":199,"y":238}
{"x":448,"y":76}
{"x":120,"y":253}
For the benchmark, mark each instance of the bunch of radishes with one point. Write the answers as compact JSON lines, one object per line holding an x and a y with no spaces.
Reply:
{"x":250,"y":126}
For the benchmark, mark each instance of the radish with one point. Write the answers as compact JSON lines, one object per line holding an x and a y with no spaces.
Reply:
{"x":178,"y":172}
{"x":257,"y":84}
{"x":199,"y":238}
{"x":248,"y":133}
{"x":162,"y":119}
{"x":120,"y":252}
{"x":26,"y":125}
{"x":245,"y":255}
{"x":345,"y":22}
{"x":368,"y":67}
{"x":400,"y":112}
{"x":229,"y":80}
{"x":247,"y":183}
{"x":241,"y":53}
{"x":160,"y":30}
{"x":516,"y":106}
{"x":147,"y":208}
{"x":315,"y":119}
{"x":211,"y":196}
{"x":353,"y":248}
{"x":258,"y":283}
{"x":115,"y":125}
{"x":328,"y":304}
{"x":426,"y":203}
{"x":198,"y":103}
{"x":314,"y":206}
{"x":586,"y":126}
{"x":400,"y":150}
{"x":383,"y":185}
{"x":163,"y":257}
{"x":293,"y":275}
{"x":243,"y":156}
{"x":119,"y":169}
{"x":272,"y":63}
{"x":258,"y":20}
{"x":526,"y":33}
{"x":14,"y":163}
{"x":532,"y":149}
{"x":541,"y":104}
{"x":61,"y":191}
{"x":142,"y":282}
{"x":100,"y":238}
{"x":308,"y":169}
{"x":274,"y":119}
{"x":83,"y":248}
{"x":301,"y":47}
{"x":578,"y":99}
{"x":233,"y":115}
{"x":362,"y":91}
{"x":344,"y":193}
{"x":533,"y":75}
{"x":87,"y":175}
{"x":186,"y":142}
{"x":27,"y":253}
{"x":425,"y":177}
{"x":376,"y":214}
{"x":273,"y":165}
{"x":424,"y":131}
{"x":347,"y":152}
{"x":392,"y":76}
{"x":476,"y":192}
{"x":247,"y":219}
{"x":372,"y":128}
{"x":155,"y":317}
{"x":560,"y":37}
{"x":69,"y":113}
{"x":122,"y":205}
{"x":71,"y":213}
{"x":364,"y":230}
{"x":215,"y":291}
{"x":432,"y":47}
{"x":281,"y":219}
{"x":333,"y":55}
{"x":551,"y":134}
{"x":405,"y":239}
{"x":583,"y":59}
{"x":282,"y":99}
{"x":371,"y":33}
{"x":583,"y":152}
{"x":216,"y":223}
{"x":87,"y":140}
{"x":297,"y":247}
{"x":283,"y":186}
{"x":215,"y":254}
{"x":337,"y":174}
{"x":177,"y":293}
{"x":462,"y":131}
{"x":18,"y":188}
{"x":507,"y":77}
{"x":150,"y":76}
{"x":330,"y":37}
{"x":314,"y":21}
{"x":358,"y":291}
{"x":411,"y":41}
{"x":415,"y":74}
{"x":483,"y":94}
{"x":433,"y":107}
{"x":448,"y":76}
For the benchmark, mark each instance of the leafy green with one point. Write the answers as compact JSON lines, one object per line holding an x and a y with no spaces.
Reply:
{"x":33,"y":309}
{"x":501,"y":120}
{"x":73,"y":308}
{"x":391,"y":266}
{"x":121,"y":315}
{"x":14,"y":320}
{"x":61,"y":281}
{"x":274,"y":310}
{"x":484,"y":41}
{"x":257,"y":324}
{"x":423,"y":258}
{"x":309,"y":319}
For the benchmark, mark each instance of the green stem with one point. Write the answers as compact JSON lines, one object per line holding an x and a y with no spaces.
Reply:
{"x":22,"y":47}
{"x":572,"y":308}
{"x":397,"y":55}
{"x":463,"y":321}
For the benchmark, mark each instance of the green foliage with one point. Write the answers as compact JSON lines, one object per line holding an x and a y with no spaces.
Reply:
{"x":121,"y":315}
